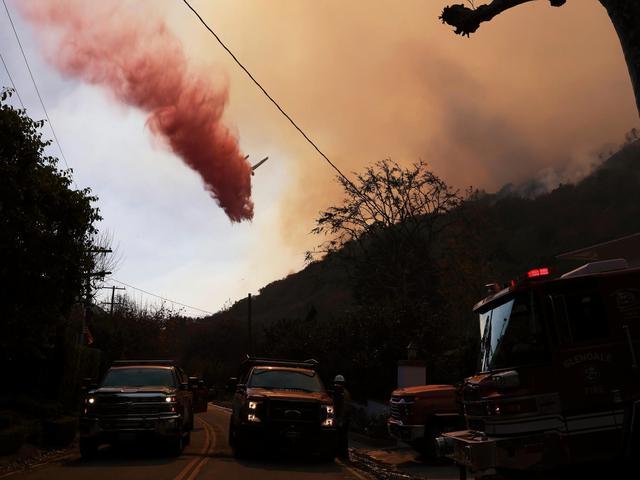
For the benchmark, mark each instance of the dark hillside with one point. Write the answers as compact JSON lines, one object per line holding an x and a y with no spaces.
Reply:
{"x":519,"y":233}
{"x":322,"y":288}
{"x":313,"y":313}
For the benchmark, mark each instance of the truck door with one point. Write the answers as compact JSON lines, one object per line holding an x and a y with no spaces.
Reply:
{"x":587,"y":377}
{"x":200,"y":394}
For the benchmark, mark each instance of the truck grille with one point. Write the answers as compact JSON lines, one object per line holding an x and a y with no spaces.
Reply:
{"x":131,"y":405}
{"x":133,"y":409}
{"x":400,"y":408}
{"x":124,"y":424}
{"x":292,"y":411}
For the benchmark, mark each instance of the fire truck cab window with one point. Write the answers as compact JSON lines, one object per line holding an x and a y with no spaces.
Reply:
{"x":585,"y":316}
{"x":512,"y":335}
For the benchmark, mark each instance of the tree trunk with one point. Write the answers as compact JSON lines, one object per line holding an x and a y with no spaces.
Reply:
{"x":625,"y":16}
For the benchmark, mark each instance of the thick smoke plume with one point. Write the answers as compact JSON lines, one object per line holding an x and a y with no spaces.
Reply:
{"x":144,"y":65}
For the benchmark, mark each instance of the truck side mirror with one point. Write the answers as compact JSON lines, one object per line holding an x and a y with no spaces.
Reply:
{"x":193,"y":381}
{"x":231,"y":383}
{"x":88,"y":383}
{"x":212,"y":393}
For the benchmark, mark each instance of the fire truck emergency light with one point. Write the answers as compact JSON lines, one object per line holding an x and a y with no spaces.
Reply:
{"x":538,"y":272}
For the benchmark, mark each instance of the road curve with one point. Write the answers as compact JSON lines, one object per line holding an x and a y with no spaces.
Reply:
{"x":207,"y":457}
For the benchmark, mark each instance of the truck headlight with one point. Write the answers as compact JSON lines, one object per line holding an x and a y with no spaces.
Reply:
{"x":170,"y":399}
{"x":328,"y":418}
{"x":89,"y":405}
{"x":252,"y":417}
{"x":254,"y":408}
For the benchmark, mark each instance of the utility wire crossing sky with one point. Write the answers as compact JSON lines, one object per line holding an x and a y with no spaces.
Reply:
{"x":35,"y":85}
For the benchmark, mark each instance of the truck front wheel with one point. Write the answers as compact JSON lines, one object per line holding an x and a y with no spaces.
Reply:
{"x":176,"y":444}
{"x":191,"y":420}
{"x":237,"y":442}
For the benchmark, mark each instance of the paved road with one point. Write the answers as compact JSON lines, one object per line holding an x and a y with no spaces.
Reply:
{"x":207,"y":457}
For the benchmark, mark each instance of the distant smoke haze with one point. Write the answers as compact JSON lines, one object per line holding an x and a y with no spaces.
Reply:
{"x":126,"y":48}
{"x":550,"y":178}
{"x":536,"y":88}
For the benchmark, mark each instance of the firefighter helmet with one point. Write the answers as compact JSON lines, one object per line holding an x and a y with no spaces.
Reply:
{"x":338,"y":379}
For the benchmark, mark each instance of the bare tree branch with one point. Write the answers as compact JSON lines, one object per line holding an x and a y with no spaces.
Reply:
{"x":467,"y":20}
{"x":386,"y":226}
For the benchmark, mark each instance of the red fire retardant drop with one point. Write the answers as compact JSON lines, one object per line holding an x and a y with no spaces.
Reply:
{"x":132,"y":52}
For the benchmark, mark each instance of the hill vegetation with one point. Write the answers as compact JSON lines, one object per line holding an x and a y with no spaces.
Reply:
{"x":320,"y":311}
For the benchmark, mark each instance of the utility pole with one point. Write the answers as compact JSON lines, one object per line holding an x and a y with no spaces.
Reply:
{"x":87,"y":292}
{"x":113,"y":295}
{"x":86,"y":306}
{"x":250,"y":339}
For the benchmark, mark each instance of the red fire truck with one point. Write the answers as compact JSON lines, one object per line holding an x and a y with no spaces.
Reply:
{"x":558,"y":380}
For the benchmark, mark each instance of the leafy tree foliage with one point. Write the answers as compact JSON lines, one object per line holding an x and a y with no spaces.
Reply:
{"x":45,"y":236}
{"x":363,"y":344}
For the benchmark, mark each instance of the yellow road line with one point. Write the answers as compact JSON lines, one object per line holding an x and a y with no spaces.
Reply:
{"x":200,"y":466}
{"x":192,"y":464}
{"x":220,"y":407}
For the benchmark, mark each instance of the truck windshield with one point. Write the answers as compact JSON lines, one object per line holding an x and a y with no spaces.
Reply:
{"x":306,"y":381}
{"x":138,"y":377}
{"x":511,"y":335}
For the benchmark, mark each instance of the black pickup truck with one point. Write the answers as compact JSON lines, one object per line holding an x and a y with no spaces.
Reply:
{"x":140,"y":398}
{"x":281,"y":403}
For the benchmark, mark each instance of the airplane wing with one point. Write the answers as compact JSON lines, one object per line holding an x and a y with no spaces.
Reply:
{"x":253,"y":168}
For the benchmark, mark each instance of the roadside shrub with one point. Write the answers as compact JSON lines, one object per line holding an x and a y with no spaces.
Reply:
{"x":11,"y":439}
{"x":5,"y":420}
{"x":59,"y":432}
{"x":34,"y":432}
{"x":371,"y":425}
{"x":30,"y":406}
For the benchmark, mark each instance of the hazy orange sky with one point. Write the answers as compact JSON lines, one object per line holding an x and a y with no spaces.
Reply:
{"x":536,"y":88}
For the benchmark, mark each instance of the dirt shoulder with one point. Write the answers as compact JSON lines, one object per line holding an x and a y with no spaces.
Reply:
{"x":392,"y":460}
{"x":30,"y":456}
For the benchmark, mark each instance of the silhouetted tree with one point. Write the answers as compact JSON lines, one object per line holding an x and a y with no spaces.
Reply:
{"x":624,"y":14}
{"x":387,"y":226}
{"x":46,"y":227}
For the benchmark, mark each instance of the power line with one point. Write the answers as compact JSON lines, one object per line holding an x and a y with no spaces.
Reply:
{"x":11,"y":80}
{"x":277,"y":105}
{"x":24,"y":56}
{"x":356,"y":190}
{"x":162,"y":298}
